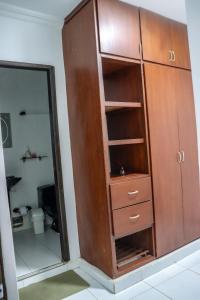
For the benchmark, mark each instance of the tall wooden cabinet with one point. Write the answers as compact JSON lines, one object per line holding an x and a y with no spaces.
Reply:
{"x":133,"y":136}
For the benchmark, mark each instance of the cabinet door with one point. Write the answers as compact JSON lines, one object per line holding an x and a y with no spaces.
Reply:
{"x":119,"y":28}
{"x":180,"y":45}
{"x":166,"y":170}
{"x":156,"y":37}
{"x":188,"y":144}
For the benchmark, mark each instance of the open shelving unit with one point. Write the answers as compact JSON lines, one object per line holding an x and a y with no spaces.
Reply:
{"x":125,"y":116}
{"x":127,"y":146}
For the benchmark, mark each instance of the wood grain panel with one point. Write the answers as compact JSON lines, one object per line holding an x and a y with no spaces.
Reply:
{"x":156,"y":37}
{"x":86,"y":139}
{"x":164,"y":140}
{"x":180,"y":45}
{"x":126,"y":124}
{"x":188,"y":144}
{"x":119,"y":28}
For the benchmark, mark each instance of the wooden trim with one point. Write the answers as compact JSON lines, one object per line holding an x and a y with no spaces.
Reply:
{"x":24,"y":66}
{"x":55,"y":145}
{"x":121,"y":58}
{"x":165,"y":65}
{"x":76,"y":10}
{"x":57,"y":164}
{"x":112,"y":105}
{"x":125,"y":142}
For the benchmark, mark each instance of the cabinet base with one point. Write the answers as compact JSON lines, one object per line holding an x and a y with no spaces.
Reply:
{"x":133,"y":277}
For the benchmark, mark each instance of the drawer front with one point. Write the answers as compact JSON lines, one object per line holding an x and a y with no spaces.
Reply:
{"x":130,"y":192}
{"x":132,"y":219}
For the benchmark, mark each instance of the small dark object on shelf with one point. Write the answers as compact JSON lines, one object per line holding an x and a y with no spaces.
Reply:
{"x":39,"y":157}
{"x":122,"y":171}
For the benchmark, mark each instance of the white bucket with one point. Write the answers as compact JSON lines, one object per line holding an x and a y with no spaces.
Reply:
{"x":38,"y":220}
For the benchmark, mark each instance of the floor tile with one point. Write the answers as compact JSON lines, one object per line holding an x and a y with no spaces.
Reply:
{"x":195,"y":268}
{"x":101,"y":293}
{"x":164,"y":275}
{"x":191,"y":260}
{"x":84,"y":295}
{"x":36,"y":251}
{"x":184,"y":286}
{"x":51,"y":240}
{"x":38,"y":257}
{"x":151,"y":295}
{"x":21,"y":267}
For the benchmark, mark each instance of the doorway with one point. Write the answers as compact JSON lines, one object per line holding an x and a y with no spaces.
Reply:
{"x":28,"y":118}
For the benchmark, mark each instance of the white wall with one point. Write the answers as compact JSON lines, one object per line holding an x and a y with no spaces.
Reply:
{"x":28,"y":39}
{"x":193,"y":16}
{"x":27,"y":90}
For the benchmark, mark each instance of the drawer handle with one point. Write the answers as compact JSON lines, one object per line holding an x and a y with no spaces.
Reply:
{"x":133,"y":193}
{"x":134,"y":218}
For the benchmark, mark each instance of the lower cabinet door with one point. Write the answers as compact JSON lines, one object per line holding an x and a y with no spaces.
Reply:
{"x":165,"y":156}
{"x":189,"y":152}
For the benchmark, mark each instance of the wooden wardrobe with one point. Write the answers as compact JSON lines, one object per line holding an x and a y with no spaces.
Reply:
{"x":133,"y":134}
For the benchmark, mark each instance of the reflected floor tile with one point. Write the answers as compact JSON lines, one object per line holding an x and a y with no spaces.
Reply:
{"x":164,"y":275}
{"x":184,"y":286}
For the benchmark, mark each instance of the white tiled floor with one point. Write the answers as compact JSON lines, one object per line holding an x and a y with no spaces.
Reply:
{"x":180,"y":281}
{"x":34,"y":252}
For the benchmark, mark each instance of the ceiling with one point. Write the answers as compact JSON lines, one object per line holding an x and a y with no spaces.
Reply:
{"x":60,"y":8}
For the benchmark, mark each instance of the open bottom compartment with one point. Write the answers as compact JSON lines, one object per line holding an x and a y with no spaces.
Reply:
{"x":134,"y":250}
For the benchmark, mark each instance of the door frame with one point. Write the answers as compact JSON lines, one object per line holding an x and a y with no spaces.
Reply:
{"x":2,"y":273}
{"x":55,"y":143}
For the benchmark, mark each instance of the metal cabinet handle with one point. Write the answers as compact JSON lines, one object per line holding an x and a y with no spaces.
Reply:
{"x":134,"y":218}
{"x":182,"y":156}
{"x":174,"y":55}
{"x":179,"y":157}
{"x":170,"y":55}
{"x":133,"y":193}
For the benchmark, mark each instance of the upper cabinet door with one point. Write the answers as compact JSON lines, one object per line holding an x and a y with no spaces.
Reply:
{"x":164,"y":41}
{"x":180,"y":46}
{"x":156,"y":37}
{"x":119,"y":28}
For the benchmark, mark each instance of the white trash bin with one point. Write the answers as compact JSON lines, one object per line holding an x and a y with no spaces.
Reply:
{"x":38,"y":220}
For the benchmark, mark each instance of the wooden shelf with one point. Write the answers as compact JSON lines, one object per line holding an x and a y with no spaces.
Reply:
{"x":125,"y":142}
{"x":126,"y":177}
{"x":126,"y":255}
{"x":115,"y":105}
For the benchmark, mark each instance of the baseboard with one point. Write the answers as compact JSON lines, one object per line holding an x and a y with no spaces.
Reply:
{"x":128,"y":280}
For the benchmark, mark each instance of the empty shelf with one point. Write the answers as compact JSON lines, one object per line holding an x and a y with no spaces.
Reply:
{"x":125,"y":142}
{"x":115,"y":105}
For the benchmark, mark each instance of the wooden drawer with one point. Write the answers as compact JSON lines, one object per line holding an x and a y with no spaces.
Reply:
{"x":130,"y":192}
{"x":131,"y":219}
